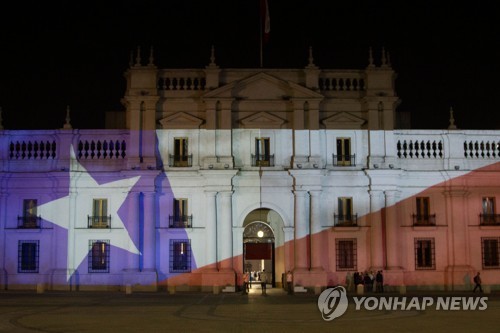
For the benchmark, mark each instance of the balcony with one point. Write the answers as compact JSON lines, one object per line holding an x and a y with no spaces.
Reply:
{"x":424,"y":220}
{"x":180,"y":221}
{"x":179,"y":161}
{"x":489,"y":219}
{"x":29,"y":222}
{"x":99,"y":222}
{"x":344,"y":160}
{"x":265,"y":160}
{"x":348,"y":220}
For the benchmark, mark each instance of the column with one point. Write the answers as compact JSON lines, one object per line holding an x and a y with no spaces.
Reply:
{"x":133,"y":210}
{"x":301,"y":230}
{"x":149,"y":232}
{"x":392,"y":230}
{"x":316,"y":235}
{"x":211,"y":230}
{"x":377,"y":202}
{"x":224,"y":230}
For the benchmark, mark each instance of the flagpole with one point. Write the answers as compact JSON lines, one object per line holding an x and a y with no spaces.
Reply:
{"x":261,"y":33}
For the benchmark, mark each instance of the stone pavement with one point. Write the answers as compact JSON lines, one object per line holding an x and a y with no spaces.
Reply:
{"x":27,"y":311}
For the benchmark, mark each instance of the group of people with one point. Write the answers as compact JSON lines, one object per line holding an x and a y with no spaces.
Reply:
{"x":371,"y":281}
{"x":248,"y":277}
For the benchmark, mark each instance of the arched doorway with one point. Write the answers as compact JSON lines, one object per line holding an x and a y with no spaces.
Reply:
{"x":258,"y":250}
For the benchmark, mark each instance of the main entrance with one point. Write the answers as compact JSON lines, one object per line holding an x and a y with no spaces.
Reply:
{"x":258,"y":252}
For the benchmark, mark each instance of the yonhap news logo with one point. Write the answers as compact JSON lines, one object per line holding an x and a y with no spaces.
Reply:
{"x":333,"y":303}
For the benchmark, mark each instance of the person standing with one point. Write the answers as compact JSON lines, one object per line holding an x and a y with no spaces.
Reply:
{"x":477,"y":282}
{"x":263,"y":281}
{"x":246,"y":282}
{"x":379,"y":281}
{"x":289,"y":282}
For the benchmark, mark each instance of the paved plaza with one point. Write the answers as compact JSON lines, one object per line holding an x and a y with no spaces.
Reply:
{"x":27,"y":311}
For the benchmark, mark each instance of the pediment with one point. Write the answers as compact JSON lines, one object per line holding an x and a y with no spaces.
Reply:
{"x":181,"y":120}
{"x":262,"y":86}
{"x":262,"y":120}
{"x":343,"y":120}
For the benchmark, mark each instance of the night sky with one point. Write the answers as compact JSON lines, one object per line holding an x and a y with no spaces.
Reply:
{"x":75,"y":52}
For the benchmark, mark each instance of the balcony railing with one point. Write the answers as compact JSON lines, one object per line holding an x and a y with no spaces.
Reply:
{"x":180,"y":160}
{"x":347,"y":220}
{"x":263,"y":160}
{"x":29,"y":222}
{"x":424,"y":220}
{"x":344,"y":160}
{"x":99,"y":222}
{"x":489,"y":219}
{"x":180,"y":221}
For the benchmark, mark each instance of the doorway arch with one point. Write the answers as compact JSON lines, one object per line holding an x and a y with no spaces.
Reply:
{"x":263,"y":240}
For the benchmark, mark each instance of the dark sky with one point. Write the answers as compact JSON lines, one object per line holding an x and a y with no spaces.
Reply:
{"x":75,"y":52}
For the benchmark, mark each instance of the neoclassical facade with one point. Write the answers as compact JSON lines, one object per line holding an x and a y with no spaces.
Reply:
{"x":210,"y":172}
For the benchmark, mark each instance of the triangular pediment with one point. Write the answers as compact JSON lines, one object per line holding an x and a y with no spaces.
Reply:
{"x":181,"y":120}
{"x":262,"y":120}
{"x":343,"y":120}
{"x":262,"y":86}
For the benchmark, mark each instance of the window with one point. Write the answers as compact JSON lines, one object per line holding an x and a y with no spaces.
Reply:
{"x":180,"y":256}
{"x":488,"y":215}
{"x":423,"y":216}
{"x":29,"y":218}
{"x":28,"y":254}
{"x":345,"y":215}
{"x":180,"y":157}
{"x":262,"y":155}
{"x":99,"y":218}
{"x":344,"y":157}
{"x":490,"y":252}
{"x":180,"y":219}
{"x":346,"y":254}
{"x":424,"y":253}
{"x":99,"y":256}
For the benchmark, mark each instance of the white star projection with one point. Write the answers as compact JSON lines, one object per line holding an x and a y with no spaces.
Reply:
{"x":71,"y":213}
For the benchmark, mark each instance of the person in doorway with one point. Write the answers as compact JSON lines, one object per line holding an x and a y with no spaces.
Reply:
{"x":246,"y":282}
{"x":263,"y":281}
{"x":477,"y":282}
{"x":289,"y":282}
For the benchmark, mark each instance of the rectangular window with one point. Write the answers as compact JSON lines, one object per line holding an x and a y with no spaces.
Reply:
{"x":99,"y":256}
{"x":345,"y":215}
{"x":424,"y":254}
{"x":28,"y":254}
{"x":99,"y":218}
{"x":343,"y":157}
{"x":180,"y":218}
{"x":423,"y":216}
{"x":346,"y":254}
{"x":181,"y":157}
{"x":490,"y":252}
{"x":262,"y":152}
{"x":180,"y":256}
{"x":29,"y":218}
{"x":489,"y":215}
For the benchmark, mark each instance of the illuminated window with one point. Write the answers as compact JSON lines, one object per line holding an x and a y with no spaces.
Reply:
{"x":424,"y":253}
{"x":180,"y":256}
{"x":490,"y":252}
{"x":181,"y":158}
{"x":99,"y":256}
{"x":345,"y":215}
{"x":29,"y":218}
{"x":488,"y":215}
{"x":28,"y":254}
{"x":262,"y":155}
{"x":99,"y":218}
{"x":343,"y":157}
{"x":180,"y":218}
{"x":346,"y":254}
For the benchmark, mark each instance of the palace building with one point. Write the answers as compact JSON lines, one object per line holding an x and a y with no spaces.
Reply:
{"x":211,"y":172}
